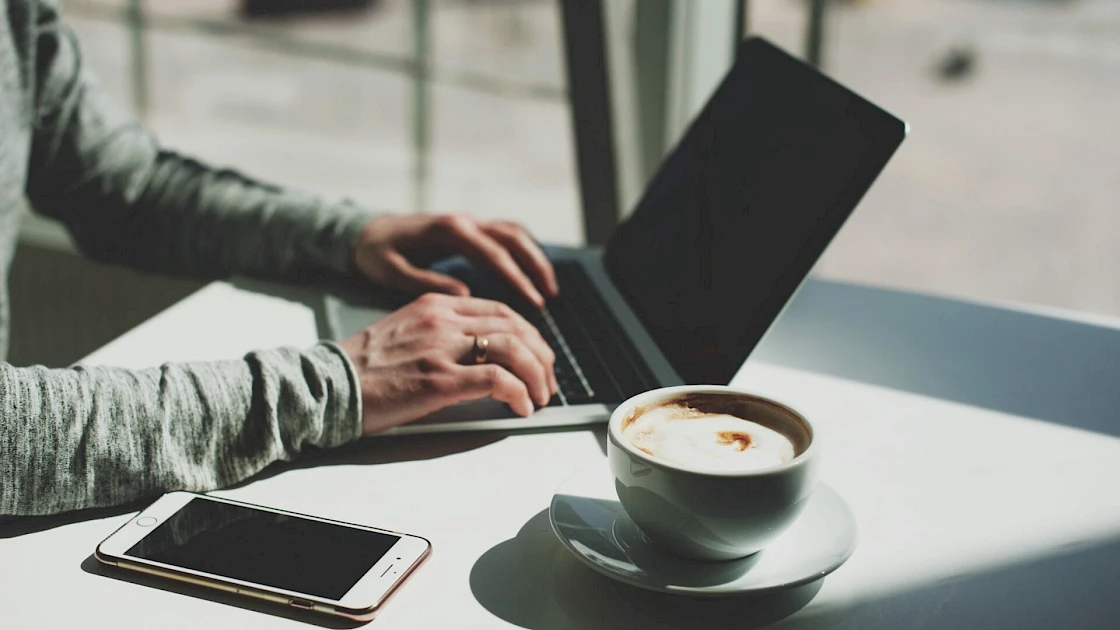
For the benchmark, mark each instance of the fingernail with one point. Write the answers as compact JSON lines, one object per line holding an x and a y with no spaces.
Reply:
{"x":528,"y":408}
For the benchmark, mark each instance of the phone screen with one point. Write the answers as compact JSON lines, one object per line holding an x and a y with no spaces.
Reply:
{"x":277,"y":550}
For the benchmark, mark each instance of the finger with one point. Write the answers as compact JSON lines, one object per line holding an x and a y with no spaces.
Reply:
{"x":478,"y":381}
{"x":522,"y":329}
{"x":527,"y":253}
{"x":471,"y":307}
{"x":408,"y":277}
{"x":513,"y":354}
{"x":466,"y":237}
{"x":481,"y":307}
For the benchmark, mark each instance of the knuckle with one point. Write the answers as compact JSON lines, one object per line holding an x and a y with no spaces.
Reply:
{"x":455,"y":223}
{"x":393,"y":259}
{"x":493,"y":376}
{"x":527,"y":331}
{"x":431,"y":384}
{"x":430,"y":366}
{"x":428,"y":322}
{"x":523,"y":354}
{"x":509,"y":227}
{"x":428,"y":300}
{"x":525,"y":359}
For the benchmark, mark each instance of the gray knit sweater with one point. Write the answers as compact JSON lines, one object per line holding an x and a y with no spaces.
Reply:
{"x":86,"y":437}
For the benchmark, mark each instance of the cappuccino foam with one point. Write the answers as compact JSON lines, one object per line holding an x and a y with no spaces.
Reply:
{"x":695,"y":439}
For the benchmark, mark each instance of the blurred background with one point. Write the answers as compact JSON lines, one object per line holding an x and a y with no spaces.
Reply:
{"x":1003,"y":190}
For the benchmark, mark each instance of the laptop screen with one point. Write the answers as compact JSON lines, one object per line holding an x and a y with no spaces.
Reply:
{"x":743,"y":207}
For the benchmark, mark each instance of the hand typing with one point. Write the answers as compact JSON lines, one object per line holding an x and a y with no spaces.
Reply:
{"x":393,"y":252}
{"x":422,"y":358}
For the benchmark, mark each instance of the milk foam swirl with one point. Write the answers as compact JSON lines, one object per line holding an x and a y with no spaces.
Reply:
{"x":712,"y":441}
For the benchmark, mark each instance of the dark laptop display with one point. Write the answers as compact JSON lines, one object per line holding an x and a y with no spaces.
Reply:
{"x":744,"y":206}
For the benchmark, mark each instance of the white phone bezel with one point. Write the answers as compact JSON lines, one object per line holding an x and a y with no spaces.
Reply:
{"x":367,"y":593}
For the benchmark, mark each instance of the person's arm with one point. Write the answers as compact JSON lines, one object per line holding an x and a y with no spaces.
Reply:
{"x":126,"y":200}
{"x":89,"y":437}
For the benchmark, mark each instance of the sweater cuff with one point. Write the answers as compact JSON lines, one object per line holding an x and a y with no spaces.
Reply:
{"x":348,"y":220}
{"x":342,"y":417}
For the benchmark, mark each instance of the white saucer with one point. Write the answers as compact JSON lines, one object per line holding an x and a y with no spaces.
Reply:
{"x":588,"y":519}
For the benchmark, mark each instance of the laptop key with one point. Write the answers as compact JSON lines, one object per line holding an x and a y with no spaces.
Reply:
{"x":575,"y":380}
{"x":579,"y":397}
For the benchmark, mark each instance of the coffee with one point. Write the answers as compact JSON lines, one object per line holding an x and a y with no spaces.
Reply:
{"x":691,"y":434}
{"x":708,"y":472}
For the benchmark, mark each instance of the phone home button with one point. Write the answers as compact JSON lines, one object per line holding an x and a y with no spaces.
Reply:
{"x":146,"y":521}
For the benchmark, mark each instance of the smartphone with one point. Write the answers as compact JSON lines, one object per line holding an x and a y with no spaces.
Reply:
{"x":291,"y":559}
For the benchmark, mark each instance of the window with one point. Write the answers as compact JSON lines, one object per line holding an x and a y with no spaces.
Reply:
{"x":334,"y":101}
{"x":1005,"y":188}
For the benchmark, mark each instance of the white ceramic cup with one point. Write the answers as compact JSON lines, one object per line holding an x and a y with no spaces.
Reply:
{"x":712,"y":514}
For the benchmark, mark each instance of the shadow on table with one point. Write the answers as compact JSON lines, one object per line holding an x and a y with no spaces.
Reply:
{"x":370,"y":451}
{"x":13,"y":526}
{"x":92,"y":566}
{"x":533,"y":582}
{"x":1075,"y":588}
{"x":367,"y":452}
{"x":390,"y":449}
{"x":1027,"y":364}
{"x":373,"y":451}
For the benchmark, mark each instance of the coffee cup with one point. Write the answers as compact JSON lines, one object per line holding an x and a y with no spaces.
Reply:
{"x":690,"y":495}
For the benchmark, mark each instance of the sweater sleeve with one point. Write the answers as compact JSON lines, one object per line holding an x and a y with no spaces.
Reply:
{"x":89,"y":437}
{"x":126,"y":200}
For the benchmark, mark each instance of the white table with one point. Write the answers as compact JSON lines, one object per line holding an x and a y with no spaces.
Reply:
{"x":956,"y":431}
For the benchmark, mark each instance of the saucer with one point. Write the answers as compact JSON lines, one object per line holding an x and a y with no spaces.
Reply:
{"x":588,"y":519}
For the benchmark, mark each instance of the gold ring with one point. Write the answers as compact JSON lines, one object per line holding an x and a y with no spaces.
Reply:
{"x":479,"y":350}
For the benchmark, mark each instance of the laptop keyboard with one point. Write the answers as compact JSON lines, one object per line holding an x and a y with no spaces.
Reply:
{"x":582,"y":335}
{"x":574,"y":386}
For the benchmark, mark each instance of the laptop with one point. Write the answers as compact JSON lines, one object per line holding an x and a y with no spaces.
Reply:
{"x":723,"y":236}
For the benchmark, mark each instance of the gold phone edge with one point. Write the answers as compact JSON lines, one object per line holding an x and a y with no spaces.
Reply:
{"x":221,"y":586}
